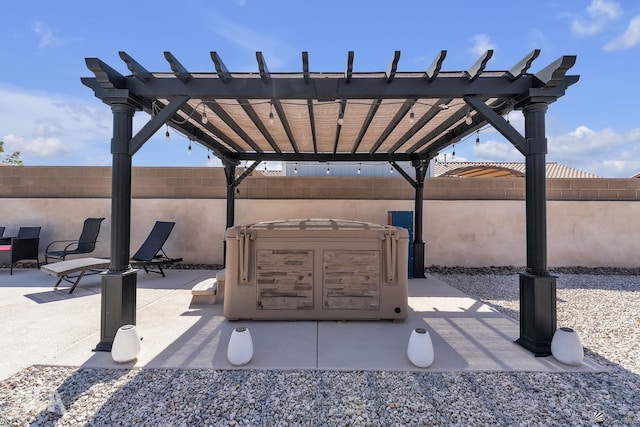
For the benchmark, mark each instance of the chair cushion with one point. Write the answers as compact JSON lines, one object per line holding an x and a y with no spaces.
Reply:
{"x":5,"y":247}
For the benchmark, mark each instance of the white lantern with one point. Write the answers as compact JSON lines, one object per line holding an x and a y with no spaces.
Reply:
{"x":240,"y":349}
{"x":420,"y":348}
{"x":126,"y":344}
{"x":566,"y":346}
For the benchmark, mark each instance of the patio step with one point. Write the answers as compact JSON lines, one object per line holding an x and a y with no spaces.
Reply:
{"x":206,"y":292}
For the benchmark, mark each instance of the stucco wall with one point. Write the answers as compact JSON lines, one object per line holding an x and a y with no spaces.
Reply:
{"x":467,"y":221}
{"x":456,"y":232}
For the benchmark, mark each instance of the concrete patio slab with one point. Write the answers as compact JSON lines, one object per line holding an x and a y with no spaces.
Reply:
{"x":40,"y":325}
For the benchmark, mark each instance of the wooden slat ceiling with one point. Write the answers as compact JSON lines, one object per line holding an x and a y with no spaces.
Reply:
{"x":313,"y":116}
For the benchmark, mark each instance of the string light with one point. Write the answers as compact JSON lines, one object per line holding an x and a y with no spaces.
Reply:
{"x":359,"y":165}
{"x":340,"y":119}
{"x":204,"y":119}
{"x":391,"y":170}
{"x":167,"y":135}
{"x":271,"y":113}
{"x":295,"y":170}
{"x":468,"y":119}
{"x":453,"y":153}
{"x":411,"y":116}
{"x":477,"y":137}
{"x":328,"y":170}
{"x":208,"y":155}
{"x":189,"y":147}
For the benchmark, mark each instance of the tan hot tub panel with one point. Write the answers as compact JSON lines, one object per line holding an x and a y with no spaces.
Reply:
{"x":316,"y":269}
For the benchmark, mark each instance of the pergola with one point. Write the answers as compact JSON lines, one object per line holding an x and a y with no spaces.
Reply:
{"x":306,"y":116}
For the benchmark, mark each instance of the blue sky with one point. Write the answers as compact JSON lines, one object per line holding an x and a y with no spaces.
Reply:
{"x":52,"y":119}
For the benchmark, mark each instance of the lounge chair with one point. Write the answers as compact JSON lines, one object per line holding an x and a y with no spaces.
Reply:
{"x":24,"y":246}
{"x":149,"y":256}
{"x":84,"y":245}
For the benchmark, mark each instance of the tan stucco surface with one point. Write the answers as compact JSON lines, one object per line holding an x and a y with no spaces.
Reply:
{"x":463,"y":233}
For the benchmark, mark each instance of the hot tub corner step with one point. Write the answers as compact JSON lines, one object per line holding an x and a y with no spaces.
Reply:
{"x":205,"y":292}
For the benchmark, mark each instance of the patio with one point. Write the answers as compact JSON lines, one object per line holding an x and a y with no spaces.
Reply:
{"x":40,"y":325}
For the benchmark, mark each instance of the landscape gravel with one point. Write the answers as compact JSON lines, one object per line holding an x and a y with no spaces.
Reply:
{"x":603,"y":307}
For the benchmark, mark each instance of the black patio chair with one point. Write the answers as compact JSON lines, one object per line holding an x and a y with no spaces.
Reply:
{"x":84,"y":245}
{"x":24,"y":246}
{"x":151,"y":256}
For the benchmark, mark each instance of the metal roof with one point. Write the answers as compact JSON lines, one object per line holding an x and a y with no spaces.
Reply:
{"x":504,"y":169}
{"x":304,"y":115}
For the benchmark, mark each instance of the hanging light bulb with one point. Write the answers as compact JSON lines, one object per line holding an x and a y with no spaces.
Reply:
{"x":468,"y":119}
{"x":391,"y":170}
{"x":358,"y":172}
{"x":328,"y":170}
{"x":189,"y":147}
{"x":411,"y":116}
{"x":208,"y":155}
{"x":477,"y":138}
{"x":270,"y":113}
{"x":295,"y":170}
{"x":167,"y":135}
{"x":340,"y":119}
{"x":204,"y":118}
{"x":453,"y":153}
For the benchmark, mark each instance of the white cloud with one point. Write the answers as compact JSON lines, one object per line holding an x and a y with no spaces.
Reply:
{"x":606,"y":152}
{"x":251,"y":39}
{"x":46,"y":35}
{"x":481,"y":44}
{"x":630,"y":38}
{"x":38,"y":146}
{"x":586,"y":29}
{"x":48,"y":127}
{"x":607,"y":8}
{"x":584,"y":141}
{"x":496,"y":151}
{"x":620,"y":168}
{"x":601,"y":13}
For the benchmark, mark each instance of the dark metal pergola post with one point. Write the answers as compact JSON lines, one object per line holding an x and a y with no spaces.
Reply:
{"x":537,"y":287}
{"x":418,"y":243}
{"x":118,"y":305}
{"x":229,"y":172}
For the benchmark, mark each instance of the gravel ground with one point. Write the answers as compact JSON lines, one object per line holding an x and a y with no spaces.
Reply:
{"x":603,"y":308}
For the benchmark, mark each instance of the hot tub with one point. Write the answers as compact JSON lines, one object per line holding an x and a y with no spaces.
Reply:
{"x":316,"y":269}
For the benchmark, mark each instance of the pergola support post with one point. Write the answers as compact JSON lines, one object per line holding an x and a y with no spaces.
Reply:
{"x":537,"y":288}
{"x":229,"y":172}
{"x":418,"y":243}
{"x":118,"y":305}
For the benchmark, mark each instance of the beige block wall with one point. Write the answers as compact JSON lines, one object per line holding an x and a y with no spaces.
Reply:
{"x":456,"y":232}
{"x":593,"y":233}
